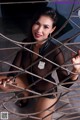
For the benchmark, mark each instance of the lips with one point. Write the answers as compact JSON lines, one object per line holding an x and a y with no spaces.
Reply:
{"x":37,"y":35}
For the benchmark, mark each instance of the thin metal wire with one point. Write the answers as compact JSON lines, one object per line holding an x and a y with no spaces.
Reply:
{"x":69,"y":65}
{"x":64,"y":45}
{"x":74,"y":23}
{"x":11,"y":48}
{"x":39,"y":80}
{"x":36,"y":54}
{"x":75,"y":101}
{"x":23,"y":114}
{"x":60,"y":117}
{"x":8,"y":72}
{"x":55,"y":93}
{"x":19,"y":114}
{"x":60,"y":107}
{"x":41,"y":119}
{"x":8,"y":57}
{"x":72,"y":118}
{"x":25,"y":71}
{"x":69,"y":90}
{"x":26,"y":2}
{"x":69,"y":108}
{"x":72,"y":96}
{"x":66,"y":83}
{"x":63,"y":26}
{"x":30,"y":114}
{"x":74,"y":16}
{"x":58,"y":47}
{"x":75,"y":43}
{"x":76,"y":9}
{"x":67,"y":116}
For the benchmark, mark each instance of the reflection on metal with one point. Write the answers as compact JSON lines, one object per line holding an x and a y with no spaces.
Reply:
{"x":24,"y":2}
{"x":61,"y":94}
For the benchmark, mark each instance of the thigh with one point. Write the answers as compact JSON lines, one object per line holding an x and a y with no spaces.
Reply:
{"x":21,"y":81}
{"x":42,"y":106}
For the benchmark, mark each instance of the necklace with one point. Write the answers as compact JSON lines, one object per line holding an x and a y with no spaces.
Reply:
{"x":41,"y":65}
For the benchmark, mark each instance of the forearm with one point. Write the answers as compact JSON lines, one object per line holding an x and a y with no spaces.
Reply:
{"x":71,"y":78}
{"x":75,"y":75}
{"x":68,"y":80}
{"x":17,"y":61}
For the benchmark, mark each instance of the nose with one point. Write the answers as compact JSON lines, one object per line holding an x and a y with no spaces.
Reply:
{"x":40,"y":29}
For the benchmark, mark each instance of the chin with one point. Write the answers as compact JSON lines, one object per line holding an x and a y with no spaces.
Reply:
{"x":38,"y":40}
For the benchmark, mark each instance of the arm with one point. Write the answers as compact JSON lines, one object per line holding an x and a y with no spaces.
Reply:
{"x":62,"y":74}
{"x":76,"y":68}
{"x":19,"y":59}
{"x":16,"y":62}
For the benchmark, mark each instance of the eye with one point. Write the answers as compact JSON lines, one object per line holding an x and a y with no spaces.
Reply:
{"x":45,"y":26}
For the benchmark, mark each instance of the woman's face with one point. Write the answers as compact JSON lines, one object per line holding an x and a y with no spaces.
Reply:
{"x":42,"y":28}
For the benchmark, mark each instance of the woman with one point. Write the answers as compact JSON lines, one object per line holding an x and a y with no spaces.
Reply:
{"x":43,"y":26}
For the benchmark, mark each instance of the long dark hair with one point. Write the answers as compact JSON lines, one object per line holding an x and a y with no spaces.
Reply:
{"x":47,"y":11}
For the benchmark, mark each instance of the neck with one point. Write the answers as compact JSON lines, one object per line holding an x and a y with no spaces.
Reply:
{"x":39,"y":44}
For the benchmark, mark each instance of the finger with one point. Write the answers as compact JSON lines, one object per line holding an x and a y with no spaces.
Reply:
{"x":11,"y":82}
{"x":73,"y":60}
{"x":8,"y":80}
{"x":78,"y":52}
{"x":4,"y":84}
{"x":1,"y":82}
{"x":74,"y":56}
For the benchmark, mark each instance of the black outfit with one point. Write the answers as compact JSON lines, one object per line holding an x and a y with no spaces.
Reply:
{"x":25,"y":59}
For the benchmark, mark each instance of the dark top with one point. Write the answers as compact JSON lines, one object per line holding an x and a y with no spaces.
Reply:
{"x":41,"y":66}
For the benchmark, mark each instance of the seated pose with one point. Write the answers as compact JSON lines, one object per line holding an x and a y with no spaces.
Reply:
{"x":43,"y":26}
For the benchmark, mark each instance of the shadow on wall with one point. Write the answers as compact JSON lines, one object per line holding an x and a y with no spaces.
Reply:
{"x":61,"y":21}
{"x":19,"y":14}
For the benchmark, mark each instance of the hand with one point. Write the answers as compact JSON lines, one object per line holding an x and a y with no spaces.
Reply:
{"x":6,"y":80}
{"x":76,"y":60}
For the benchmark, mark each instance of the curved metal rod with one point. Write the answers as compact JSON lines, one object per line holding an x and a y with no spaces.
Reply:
{"x":67,"y":40}
{"x":66,"y":20}
{"x":25,"y":2}
{"x":25,"y":71}
{"x":11,"y":48}
{"x":64,"y":45}
{"x":50,"y":53}
{"x":35,"y":113}
{"x":37,"y":54}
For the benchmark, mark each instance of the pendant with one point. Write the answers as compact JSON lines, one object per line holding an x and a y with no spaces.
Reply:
{"x":41,"y":65}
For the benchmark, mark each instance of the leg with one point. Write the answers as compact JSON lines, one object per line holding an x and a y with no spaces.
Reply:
{"x":44,"y":103}
{"x":21,"y":81}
